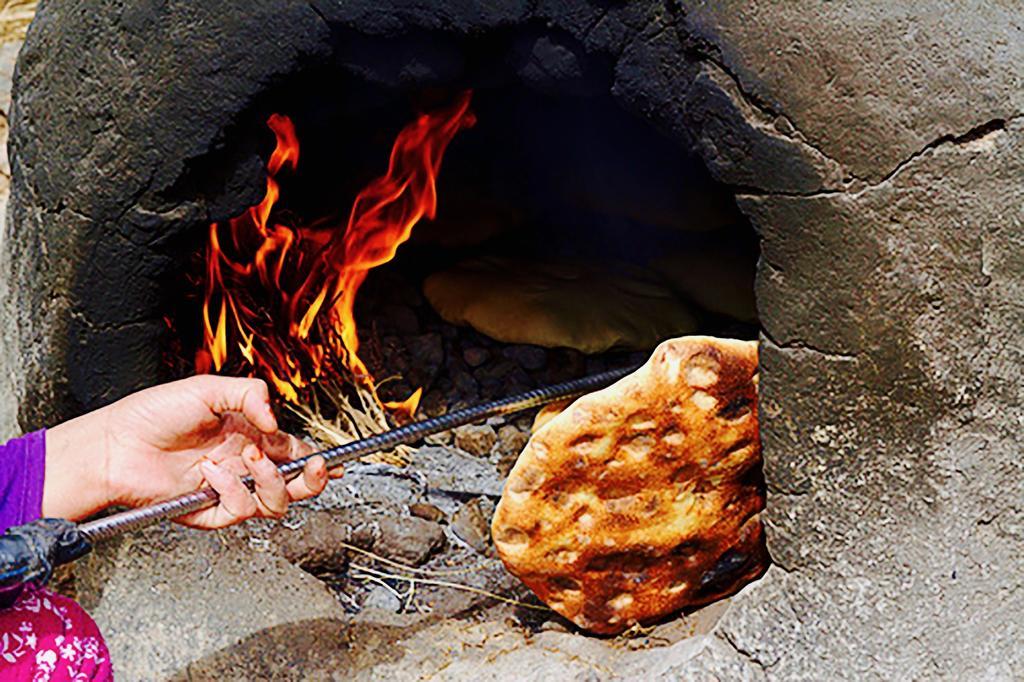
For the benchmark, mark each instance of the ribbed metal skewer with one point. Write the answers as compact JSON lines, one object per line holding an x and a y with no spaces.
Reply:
{"x":134,"y":519}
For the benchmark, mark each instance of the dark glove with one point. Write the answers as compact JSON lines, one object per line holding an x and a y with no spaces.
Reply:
{"x":29,"y":553}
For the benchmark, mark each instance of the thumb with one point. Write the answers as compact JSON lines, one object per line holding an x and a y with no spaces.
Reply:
{"x":233,"y":394}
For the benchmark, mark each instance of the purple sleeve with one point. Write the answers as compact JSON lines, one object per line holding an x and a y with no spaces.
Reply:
{"x":22,"y":470}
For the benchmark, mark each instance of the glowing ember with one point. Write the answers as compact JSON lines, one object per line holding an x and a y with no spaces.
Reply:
{"x":282,"y":295}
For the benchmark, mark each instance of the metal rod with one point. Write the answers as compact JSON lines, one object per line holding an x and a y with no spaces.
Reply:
{"x":134,"y":519}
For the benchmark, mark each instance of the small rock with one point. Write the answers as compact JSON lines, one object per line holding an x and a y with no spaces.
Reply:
{"x":494,"y":372}
{"x":363,"y":534}
{"x":523,"y":420}
{"x":427,"y":511}
{"x":426,"y":349}
{"x":443,"y":438}
{"x":426,"y":355}
{"x":382,"y":598}
{"x":465,"y":385}
{"x":475,"y":357}
{"x":369,"y":485}
{"x":505,"y":463}
{"x":516,"y":382}
{"x":408,"y":539}
{"x":528,"y":357}
{"x":512,"y":439}
{"x":471,"y":523}
{"x":434,"y":404}
{"x":394,"y":349}
{"x":476,"y":439}
{"x":314,"y":543}
{"x":455,"y":473}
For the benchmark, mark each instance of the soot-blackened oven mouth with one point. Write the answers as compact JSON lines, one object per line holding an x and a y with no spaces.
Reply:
{"x":422,"y":223}
{"x":411,"y":251}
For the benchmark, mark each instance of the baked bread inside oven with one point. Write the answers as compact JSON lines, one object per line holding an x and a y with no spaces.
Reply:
{"x":643,"y":498}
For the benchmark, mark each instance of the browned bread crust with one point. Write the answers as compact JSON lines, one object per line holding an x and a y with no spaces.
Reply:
{"x":643,"y":498}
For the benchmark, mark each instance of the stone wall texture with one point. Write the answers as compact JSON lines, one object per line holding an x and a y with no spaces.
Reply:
{"x":9,"y":49}
{"x":877,"y":148}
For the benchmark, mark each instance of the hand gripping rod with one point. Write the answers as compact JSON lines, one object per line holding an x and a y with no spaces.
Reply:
{"x":134,"y":519}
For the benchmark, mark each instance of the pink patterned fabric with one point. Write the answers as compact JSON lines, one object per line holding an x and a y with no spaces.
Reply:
{"x":45,"y":637}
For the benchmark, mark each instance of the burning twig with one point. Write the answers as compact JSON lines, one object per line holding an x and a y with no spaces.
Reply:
{"x":357,"y":414}
{"x":279,"y":295}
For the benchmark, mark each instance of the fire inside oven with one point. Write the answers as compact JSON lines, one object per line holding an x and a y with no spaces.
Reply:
{"x":448,"y":247}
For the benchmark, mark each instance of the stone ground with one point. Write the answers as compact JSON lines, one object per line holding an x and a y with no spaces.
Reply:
{"x":175,"y":603}
{"x":391,"y":569}
{"x":390,"y":574}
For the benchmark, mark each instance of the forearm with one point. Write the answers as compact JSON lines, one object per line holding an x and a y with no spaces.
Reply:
{"x":77,"y":480}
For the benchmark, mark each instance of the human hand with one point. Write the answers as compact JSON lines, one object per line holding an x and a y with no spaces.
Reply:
{"x":174,"y":438}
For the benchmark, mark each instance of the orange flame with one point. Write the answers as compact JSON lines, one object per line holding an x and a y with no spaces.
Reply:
{"x":283,"y":295}
{"x":405,"y":409}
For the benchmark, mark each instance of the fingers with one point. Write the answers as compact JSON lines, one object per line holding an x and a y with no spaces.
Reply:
{"x":311,"y":481}
{"x":232,"y":394}
{"x":270,"y":491}
{"x":245,"y":403}
{"x":236,"y":502}
{"x":284,"y":447}
{"x":228,"y":454}
{"x":239,"y":455}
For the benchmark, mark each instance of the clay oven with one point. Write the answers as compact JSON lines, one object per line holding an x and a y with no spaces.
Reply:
{"x":876,"y":152}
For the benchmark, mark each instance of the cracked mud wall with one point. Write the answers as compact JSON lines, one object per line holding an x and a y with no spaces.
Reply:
{"x":891,"y":300}
{"x":869,"y":85}
{"x":892,"y":393}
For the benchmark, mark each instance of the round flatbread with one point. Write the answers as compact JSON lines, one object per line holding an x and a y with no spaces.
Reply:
{"x":642,"y":498}
{"x":591,"y":307}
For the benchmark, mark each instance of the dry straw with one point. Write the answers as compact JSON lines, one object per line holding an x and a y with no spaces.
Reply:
{"x":357,"y":414}
{"x":413,"y":576}
{"x":15,"y":16}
